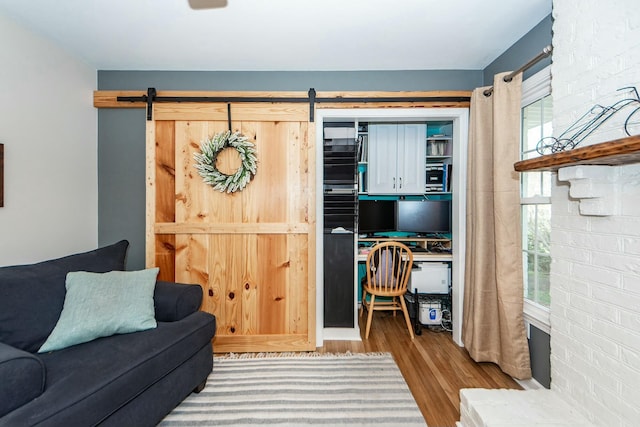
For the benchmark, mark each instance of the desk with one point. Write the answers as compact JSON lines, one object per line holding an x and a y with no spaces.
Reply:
{"x":419,"y":256}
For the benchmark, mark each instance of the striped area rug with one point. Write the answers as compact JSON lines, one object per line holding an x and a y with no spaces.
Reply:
{"x":347,"y":389}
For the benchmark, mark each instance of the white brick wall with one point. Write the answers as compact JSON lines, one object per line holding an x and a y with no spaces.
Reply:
{"x":595,"y":274}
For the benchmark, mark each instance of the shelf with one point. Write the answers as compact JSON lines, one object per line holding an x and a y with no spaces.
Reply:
{"x":621,"y":151}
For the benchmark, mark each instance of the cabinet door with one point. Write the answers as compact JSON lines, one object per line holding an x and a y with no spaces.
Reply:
{"x":411,"y":160}
{"x":381,"y":172}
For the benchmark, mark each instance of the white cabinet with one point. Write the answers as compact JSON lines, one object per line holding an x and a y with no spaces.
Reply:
{"x":396,"y":158}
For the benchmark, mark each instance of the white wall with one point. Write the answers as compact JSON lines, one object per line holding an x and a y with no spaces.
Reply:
{"x":48,"y":126}
{"x":595,"y":283}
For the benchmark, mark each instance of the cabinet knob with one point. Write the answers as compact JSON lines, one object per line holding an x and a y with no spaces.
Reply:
{"x":394,"y":182}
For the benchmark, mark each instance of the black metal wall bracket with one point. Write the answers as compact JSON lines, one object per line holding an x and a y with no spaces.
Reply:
{"x":151,"y":96}
{"x":312,"y":104}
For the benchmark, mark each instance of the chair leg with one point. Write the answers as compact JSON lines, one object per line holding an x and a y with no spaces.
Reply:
{"x":364,"y":300}
{"x":406,"y":317}
{"x":369,"y":316}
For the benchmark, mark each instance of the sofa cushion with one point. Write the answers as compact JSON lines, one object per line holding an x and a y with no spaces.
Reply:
{"x":23,"y":376}
{"x":102,"y":304}
{"x":89,"y":382}
{"x":31,"y":296}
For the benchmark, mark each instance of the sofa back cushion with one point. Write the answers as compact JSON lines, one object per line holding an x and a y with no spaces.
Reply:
{"x":32,"y":296}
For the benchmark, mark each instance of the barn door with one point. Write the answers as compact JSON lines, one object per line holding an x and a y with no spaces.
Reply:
{"x":252,"y":251}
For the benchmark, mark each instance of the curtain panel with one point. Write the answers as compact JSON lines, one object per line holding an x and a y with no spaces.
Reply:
{"x":493,"y":324}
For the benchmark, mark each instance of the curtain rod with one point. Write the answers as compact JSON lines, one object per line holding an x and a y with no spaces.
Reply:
{"x":545,"y":52}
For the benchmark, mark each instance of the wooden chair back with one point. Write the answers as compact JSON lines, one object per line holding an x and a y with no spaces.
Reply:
{"x":388,"y":269}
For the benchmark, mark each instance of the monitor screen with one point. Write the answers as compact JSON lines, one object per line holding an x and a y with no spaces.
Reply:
{"x":424,"y":216}
{"x":376,"y":216}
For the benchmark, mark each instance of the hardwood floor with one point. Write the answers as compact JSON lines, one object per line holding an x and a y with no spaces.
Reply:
{"x":434,"y":367}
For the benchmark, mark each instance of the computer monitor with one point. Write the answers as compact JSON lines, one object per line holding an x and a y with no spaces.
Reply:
{"x":375,"y":216}
{"x":424,"y":216}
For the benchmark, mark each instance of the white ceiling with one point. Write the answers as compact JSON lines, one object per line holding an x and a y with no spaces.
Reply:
{"x":282,"y":34}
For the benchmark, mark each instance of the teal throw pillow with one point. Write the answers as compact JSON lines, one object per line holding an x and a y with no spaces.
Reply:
{"x":103,"y":304}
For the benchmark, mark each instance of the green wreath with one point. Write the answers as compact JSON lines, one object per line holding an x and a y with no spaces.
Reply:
{"x":206,"y":161}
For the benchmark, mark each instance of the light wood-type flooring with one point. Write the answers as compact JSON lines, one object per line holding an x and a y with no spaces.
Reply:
{"x":434,"y":367}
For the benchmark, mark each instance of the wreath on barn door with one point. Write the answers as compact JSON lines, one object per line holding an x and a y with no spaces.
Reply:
{"x":206,"y":161}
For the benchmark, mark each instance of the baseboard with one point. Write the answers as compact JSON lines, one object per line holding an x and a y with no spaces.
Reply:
{"x":341,"y":334}
{"x":530,"y":384}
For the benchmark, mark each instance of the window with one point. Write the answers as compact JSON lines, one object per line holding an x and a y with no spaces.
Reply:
{"x":535,"y":196}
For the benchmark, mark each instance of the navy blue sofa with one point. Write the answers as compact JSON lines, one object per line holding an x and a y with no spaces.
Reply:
{"x":123,"y":380}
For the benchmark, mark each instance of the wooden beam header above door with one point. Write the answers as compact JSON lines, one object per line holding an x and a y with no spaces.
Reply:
{"x":432,"y":99}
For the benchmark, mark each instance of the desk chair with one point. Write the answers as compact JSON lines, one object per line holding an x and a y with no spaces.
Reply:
{"x":388,"y":267}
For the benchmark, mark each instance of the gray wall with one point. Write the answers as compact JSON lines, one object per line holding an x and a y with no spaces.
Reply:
{"x":514,"y":57}
{"x":121,"y":132}
{"x":121,"y":180}
{"x":521,"y":52}
{"x":290,"y":80}
{"x":540,"y":354}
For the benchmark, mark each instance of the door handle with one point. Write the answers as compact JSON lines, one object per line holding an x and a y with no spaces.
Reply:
{"x":400,"y":179}
{"x":394,"y":183}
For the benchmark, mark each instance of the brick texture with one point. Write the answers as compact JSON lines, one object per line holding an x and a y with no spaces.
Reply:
{"x":595,"y":274}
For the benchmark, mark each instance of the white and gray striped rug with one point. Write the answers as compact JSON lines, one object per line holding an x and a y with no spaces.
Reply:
{"x":295,"y":390}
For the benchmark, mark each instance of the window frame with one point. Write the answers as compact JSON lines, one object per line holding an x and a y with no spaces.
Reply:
{"x":535,"y":88}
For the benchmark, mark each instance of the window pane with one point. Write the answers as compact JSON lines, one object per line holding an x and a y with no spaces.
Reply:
{"x":532,"y":120}
{"x":536,"y":210}
{"x":528,"y":227}
{"x":543,"y":229}
{"x":529,"y":276}
{"x":536,"y":124}
{"x":536,"y":233}
{"x":544,"y":267}
{"x":546,"y":184}
{"x":524,"y":213}
{"x":531,"y":184}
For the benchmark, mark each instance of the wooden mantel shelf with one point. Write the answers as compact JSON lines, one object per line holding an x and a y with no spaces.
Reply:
{"x":613,"y":153}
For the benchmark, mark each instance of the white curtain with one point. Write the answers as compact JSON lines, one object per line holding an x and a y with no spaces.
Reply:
{"x":493,"y":325}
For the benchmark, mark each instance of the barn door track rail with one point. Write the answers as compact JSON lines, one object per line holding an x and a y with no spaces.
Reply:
{"x":152,"y":96}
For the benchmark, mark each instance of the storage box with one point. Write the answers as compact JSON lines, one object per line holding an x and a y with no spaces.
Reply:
{"x":430,"y":278}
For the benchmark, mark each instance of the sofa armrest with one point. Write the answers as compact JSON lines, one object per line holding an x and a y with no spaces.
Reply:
{"x":175,"y":301}
{"x":22,"y":377}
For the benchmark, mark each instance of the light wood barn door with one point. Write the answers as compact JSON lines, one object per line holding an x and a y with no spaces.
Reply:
{"x":253,"y":251}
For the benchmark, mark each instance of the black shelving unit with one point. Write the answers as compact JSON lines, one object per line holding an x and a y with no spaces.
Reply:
{"x":340,"y":214}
